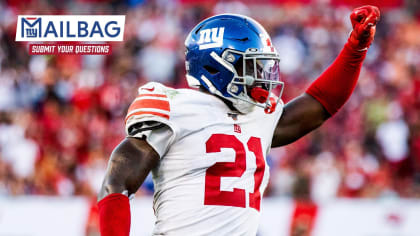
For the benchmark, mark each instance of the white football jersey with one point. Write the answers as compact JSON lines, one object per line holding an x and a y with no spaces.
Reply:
{"x":213,"y":169}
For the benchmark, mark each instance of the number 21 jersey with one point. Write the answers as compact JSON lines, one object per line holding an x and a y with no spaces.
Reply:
{"x":213,"y":170}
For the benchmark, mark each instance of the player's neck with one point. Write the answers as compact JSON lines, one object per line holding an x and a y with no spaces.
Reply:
{"x":227,"y":102}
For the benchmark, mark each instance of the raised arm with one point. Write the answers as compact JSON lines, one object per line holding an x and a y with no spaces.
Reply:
{"x":130,"y":163}
{"x":331,"y":90}
{"x":300,"y":116}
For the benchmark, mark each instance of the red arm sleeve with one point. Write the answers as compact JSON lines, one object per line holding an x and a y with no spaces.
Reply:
{"x":336,"y":84}
{"x":114,"y":215}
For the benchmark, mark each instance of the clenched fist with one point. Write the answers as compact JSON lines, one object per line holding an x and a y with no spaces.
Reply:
{"x":363,"y":20}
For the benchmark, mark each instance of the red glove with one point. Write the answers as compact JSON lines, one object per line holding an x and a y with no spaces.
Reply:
{"x":336,"y":84}
{"x":363,"y":20}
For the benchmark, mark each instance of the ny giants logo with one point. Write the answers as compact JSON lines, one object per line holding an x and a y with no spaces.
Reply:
{"x":31,"y":31}
{"x":237,"y":128}
{"x":211,"y":38}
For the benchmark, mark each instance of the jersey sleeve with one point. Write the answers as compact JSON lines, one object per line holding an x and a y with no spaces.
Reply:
{"x":148,"y":117}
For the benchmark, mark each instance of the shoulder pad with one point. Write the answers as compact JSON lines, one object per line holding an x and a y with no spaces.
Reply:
{"x":150,"y":101}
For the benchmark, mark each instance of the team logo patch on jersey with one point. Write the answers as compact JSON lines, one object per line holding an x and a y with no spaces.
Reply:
{"x":211,"y":38}
{"x":237,"y":128}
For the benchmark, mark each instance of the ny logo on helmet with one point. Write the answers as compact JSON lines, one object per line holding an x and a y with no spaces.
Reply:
{"x":211,"y":38}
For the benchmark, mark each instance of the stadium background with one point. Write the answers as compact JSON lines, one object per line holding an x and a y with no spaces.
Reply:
{"x":61,"y":116}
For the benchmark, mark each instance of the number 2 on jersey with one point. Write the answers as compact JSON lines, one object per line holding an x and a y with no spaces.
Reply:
{"x":213,"y":195}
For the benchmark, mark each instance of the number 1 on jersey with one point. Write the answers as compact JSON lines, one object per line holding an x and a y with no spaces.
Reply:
{"x":213,"y":195}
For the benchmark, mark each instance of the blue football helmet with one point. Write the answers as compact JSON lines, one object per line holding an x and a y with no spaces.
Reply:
{"x":231,"y":56}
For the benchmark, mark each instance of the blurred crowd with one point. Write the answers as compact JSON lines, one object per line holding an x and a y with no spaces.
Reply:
{"x":61,"y":116}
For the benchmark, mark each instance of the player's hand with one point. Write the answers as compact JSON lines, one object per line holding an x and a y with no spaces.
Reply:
{"x":363,"y":20}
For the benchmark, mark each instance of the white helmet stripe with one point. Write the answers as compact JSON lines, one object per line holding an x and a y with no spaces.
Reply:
{"x":221,"y":61}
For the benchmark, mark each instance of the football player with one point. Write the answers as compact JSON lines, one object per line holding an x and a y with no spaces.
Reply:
{"x":207,"y":147}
